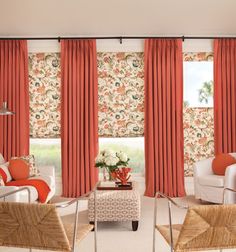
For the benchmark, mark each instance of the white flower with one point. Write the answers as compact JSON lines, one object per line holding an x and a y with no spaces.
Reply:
{"x":109,"y":153}
{"x":111,"y":161}
{"x":99,"y":159}
{"x":122,"y":156}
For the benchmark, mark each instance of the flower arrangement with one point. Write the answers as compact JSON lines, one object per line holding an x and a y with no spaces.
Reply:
{"x":111,"y":160}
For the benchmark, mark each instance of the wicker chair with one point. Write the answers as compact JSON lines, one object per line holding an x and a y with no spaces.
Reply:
{"x":39,"y":226}
{"x":205,"y":227}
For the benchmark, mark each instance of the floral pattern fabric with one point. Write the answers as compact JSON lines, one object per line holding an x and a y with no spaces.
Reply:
{"x":198,"y":56}
{"x":121,"y":101}
{"x":198,"y":136}
{"x":44,"y":88}
{"x":121,"y":94}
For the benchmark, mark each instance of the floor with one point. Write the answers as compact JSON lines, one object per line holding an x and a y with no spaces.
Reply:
{"x":118,"y":237}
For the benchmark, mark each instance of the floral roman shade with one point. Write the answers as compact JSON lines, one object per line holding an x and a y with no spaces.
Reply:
{"x":198,"y":136}
{"x":44,"y":87}
{"x":121,"y":94}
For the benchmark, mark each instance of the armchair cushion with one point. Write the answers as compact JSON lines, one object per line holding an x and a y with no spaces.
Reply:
{"x":211,"y":180}
{"x":220,"y":163}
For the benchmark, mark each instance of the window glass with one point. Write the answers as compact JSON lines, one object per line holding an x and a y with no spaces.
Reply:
{"x":47,"y":152}
{"x":198,"y":84}
{"x":132,"y":146}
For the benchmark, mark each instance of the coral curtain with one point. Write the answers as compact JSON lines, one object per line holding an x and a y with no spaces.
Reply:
{"x":14,"y":89}
{"x":163,"y":73}
{"x":225,"y":95}
{"x":79,"y":107}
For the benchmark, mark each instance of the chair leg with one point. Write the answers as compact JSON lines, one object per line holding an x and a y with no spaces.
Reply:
{"x":154,"y":226}
{"x":95,"y":221}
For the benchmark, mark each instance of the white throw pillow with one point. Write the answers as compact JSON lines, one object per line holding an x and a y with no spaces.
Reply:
{"x":2,"y":161}
{"x":5,"y":169}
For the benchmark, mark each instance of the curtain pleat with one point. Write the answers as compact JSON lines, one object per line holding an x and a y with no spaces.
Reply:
{"x":79,"y":120}
{"x":164,"y":117}
{"x":14,"y":89}
{"x":224,"y":95}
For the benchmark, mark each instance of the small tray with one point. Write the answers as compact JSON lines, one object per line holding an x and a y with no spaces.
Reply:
{"x":117,"y":186}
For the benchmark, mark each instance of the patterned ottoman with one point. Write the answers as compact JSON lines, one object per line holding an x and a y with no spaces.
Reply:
{"x":116,"y":205}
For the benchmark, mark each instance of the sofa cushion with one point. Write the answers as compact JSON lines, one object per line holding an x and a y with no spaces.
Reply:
{"x":2,"y":161}
{"x":4,"y":167}
{"x":211,"y":180}
{"x":19,"y":169}
{"x":3,"y":177}
{"x":221,"y":162}
{"x":2,"y":181}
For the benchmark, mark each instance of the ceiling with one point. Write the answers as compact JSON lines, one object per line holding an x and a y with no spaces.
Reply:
{"x":117,"y":18}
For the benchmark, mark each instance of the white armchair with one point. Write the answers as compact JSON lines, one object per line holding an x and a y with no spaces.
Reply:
{"x":47,"y":173}
{"x":209,"y":187}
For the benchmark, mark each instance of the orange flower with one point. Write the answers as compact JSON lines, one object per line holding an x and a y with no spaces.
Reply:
{"x":40,"y":56}
{"x":121,"y":122}
{"x":121,"y":89}
{"x":202,"y":140}
{"x":120,"y":55}
{"x":41,"y":89}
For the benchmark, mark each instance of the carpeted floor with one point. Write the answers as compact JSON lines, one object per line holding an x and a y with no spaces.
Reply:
{"x":119,"y":237}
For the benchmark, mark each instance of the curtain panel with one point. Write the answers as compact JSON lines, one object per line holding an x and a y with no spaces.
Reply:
{"x":225,"y":95}
{"x":79,"y":116}
{"x":164,"y":159}
{"x":14,"y":89}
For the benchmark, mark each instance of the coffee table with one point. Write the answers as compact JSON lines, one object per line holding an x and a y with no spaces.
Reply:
{"x":116,"y":205}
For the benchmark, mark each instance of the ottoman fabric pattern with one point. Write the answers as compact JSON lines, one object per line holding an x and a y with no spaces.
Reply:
{"x":115,"y":205}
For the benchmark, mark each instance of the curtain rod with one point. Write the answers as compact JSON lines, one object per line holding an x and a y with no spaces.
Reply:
{"x":120,"y":38}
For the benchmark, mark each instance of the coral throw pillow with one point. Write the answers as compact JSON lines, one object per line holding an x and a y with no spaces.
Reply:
{"x":19,"y":169}
{"x":220,"y":163}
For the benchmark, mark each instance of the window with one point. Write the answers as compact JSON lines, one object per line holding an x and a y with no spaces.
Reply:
{"x":198,"y":109}
{"x":132,"y":146}
{"x":198,"y":84}
{"x":47,"y":152}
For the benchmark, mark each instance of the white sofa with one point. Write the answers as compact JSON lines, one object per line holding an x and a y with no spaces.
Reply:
{"x":47,"y":173}
{"x":209,"y":187}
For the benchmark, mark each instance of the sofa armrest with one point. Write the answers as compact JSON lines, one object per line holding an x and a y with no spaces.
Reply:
{"x":47,"y":171}
{"x":230,"y":177}
{"x":6,"y":189}
{"x":203,"y":167}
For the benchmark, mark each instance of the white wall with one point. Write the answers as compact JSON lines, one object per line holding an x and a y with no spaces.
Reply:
{"x":131,"y":45}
